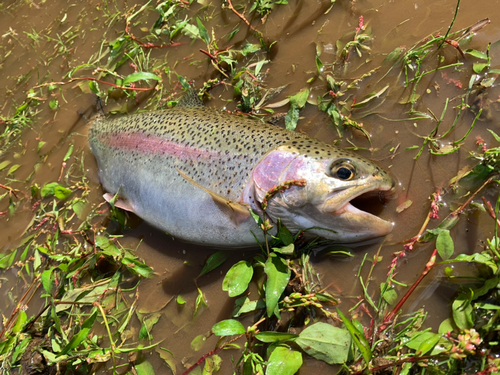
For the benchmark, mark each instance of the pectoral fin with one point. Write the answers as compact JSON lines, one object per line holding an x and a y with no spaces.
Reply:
{"x":120,"y":203}
{"x":235,"y":211}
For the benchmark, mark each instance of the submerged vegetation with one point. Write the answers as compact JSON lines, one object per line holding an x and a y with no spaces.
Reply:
{"x":74,"y":307}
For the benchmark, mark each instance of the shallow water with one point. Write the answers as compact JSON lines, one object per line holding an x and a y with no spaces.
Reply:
{"x":296,"y":28}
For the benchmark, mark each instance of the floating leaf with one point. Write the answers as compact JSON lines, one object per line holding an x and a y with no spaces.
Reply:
{"x":444,"y":244}
{"x":238,"y":278}
{"x":283,"y":361}
{"x":403,"y":206}
{"x":140,"y":76}
{"x":325,"y":342}
{"x":144,"y":368}
{"x":214,"y":261}
{"x":228,"y":327}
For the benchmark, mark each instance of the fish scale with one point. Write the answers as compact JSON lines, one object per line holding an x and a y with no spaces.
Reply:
{"x":174,"y":167}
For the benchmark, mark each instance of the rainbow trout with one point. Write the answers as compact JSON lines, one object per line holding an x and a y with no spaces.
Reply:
{"x":196,"y":173}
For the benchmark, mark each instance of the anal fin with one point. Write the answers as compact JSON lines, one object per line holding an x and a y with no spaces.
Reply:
{"x":117,"y":202}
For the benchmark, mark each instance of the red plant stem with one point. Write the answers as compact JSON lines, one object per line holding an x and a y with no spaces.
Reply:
{"x":388,"y":319}
{"x":212,"y":352}
{"x":240,"y":16}
{"x":490,"y":210}
{"x":400,"y":362}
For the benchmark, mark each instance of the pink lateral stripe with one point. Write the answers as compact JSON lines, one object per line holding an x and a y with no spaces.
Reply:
{"x":156,"y":146}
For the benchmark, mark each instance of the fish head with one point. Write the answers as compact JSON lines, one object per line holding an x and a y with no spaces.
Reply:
{"x":310,"y":185}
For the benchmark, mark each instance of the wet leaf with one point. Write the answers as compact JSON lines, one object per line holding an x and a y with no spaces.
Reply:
{"x":292,"y":117}
{"x":14,"y":168}
{"x":325,"y":342}
{"x":445,"y":326}
{"x":140,"y":76}
{"x":275,"y":336}
{"x":287,"y":250}
{"x":4,"y":164}
{"x":180,"y":300}
{"x":144,"y":368}
{"x":6,"y":260}
{"x":283,"y":361}
{"x":462,"y":312}
{"x":479,"y":67}
{"x":444,"y":244}
{"x":495,"y":135}
{"x":237,"y":278}
{"x":428,"y":344}
{"x":46,"y":278}
{"x":198,"y":342}
{"x":212,"y":364}
{"x":148,"y":323}
{"x":358,"y":337}
{"x":80,"y":336}
{"x":278,"y":275}
{"x":370,"y":97}
{"x":228,"y":327}
{"x":203,"y":32}
{"x":214,"y":261}
{"x":390,"y":296}
{"x":69,"y":152}
{"x":244,"y":305}
{"x":21,"y":320}
{"x":425,"y":342}
{"x":403,"y":206}
{"x":478,"y":54}
{"x":200,"y":302}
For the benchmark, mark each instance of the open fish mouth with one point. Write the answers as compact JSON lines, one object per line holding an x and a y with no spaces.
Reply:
{"x":364,"y":209}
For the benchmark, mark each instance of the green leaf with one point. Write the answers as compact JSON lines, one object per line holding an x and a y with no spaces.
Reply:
{"x":198,"y":342}
{"x":275,"y":336}
{"x":358,"y":337}
{"x":244,"y":305}
{"x":144,"y":368}
{"x":300,"y":98}
{"x":228,"y":327}
{"x":214,"y":261}
{"x":283,"y":361}
{"x":287,"y":250}
{"x":4,"y":164}
{"x":184,"y":83}
{"x":445,"y":326}
{"x":478,"y":54}
{"x":181,"y":300}
{"x":325,"y":342}
{"x":80,"y":336}
{"x":428,"y":344}
{"x":61,"y":192}
{"x":203,"y":31}
{"x":495,"y":135}
{"x":292,"y":117}
{"x":462,"y":312}
{"x":140,"y":76}
{"x":444,"y":244}
{"x":14,"y":168}
{"x":21,"y":320}
{"x":238,"y":278}
{"x":6,"y":260}
{"x":138,"y":267}
{"x":479,"y":67}
{"x":69,"y":152}
{"x":47,"y":280}
{"x":278,"y":275}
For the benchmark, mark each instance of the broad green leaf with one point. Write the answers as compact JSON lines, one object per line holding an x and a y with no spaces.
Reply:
{"x":462,"y":312}
{"x":140,"y":76}
{"x":479,"y":67}
{"x":278,"y":275}
{"x":287,"y":250}
{"x":138,"y":267}
{"x":300,"y":98}
{"x":325,"y":342}
{"x":4,"y":164}
{"x":244,"y":305}
{"x":228,"y":327}
{"x":478,"y":54}
{"x":214,"y":261}
{"x":238,"y":278}
{"x":428,"y":344}
{"x":61,"y":192}
{"x":14,"y":168}
{"x":444,"y":244}
{"x":47,"y":280}
{"x":22,"y":317}
{"x":144,"y":368}
{"x":445,"y":326}
{"x":80,"y":336}
{"x":6,"y":260}
{"x":283,"y":361}
{"x":425,"y":342}
{"x":275,"y":336}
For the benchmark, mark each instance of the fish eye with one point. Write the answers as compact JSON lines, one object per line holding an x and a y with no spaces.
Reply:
{"x":343,"y":171}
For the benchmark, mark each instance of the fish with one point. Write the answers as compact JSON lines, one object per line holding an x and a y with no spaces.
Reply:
{"x":199,"y":174}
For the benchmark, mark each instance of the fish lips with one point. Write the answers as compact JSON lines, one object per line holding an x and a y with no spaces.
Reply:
{"x":362,"y":224}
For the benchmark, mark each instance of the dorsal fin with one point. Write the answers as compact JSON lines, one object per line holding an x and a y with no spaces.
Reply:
{"x":190,"y":99}
{"x":235,"y":211}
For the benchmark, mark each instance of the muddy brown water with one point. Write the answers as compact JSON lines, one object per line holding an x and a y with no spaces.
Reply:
{"x":298,"y":28}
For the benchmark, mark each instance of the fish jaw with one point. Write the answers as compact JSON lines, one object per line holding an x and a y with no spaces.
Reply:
{"x":323,"y":204}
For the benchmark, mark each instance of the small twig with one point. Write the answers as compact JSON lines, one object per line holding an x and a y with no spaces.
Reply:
{"x":241,"y":17}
